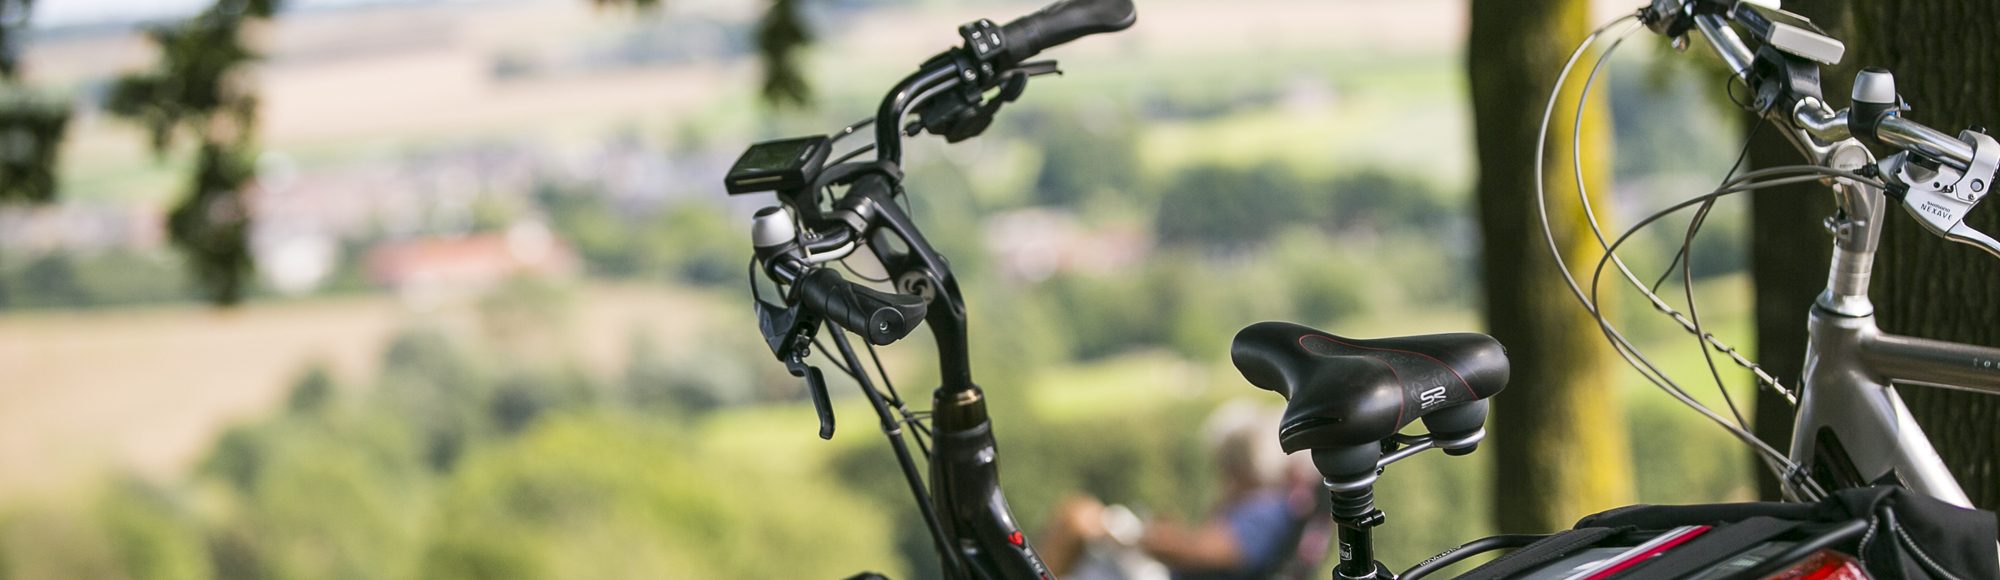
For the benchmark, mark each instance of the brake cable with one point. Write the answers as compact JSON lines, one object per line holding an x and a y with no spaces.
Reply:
{"x":1777,"y":461}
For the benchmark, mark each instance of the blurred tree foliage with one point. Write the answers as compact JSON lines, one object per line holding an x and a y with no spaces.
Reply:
{"x":1192,"y":303}
{"x":31,"y":126}
{"x":1221,"y":206}
{"x":727,"y":376}
{"x":1216,"y":205}
{"x":1086,"y":154}
{"x":73,"y":279}
{"x":31,"y":133}
{"x":781,"y":35}
{"x":200,"y":85}
{"x":688,"y":242}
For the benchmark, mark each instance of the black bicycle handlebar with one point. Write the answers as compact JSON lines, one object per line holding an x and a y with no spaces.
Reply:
{"x":880,"y":316}
{"x":975,"y":532}
{"x":1062,"y":22}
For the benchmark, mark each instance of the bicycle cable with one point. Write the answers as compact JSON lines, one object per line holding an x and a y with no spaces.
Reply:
{"x":914,"y":419}
{"x":1630,"y":351}
{"x":1784,"y":469}
{"x":1774,"y":460}
{"x":1777,"y":463}
{"x":1576,"y":161}
{"x":1694,"y":314}
{"x":1690,"y":323}
{"x":850,"y":269}
{"x":851,"y":154}
{"x":833,"y":361}
{"x":1685,"y":258}
{"x":1741,"y":155}
{"x":894,"y":400}
{"x":1764,"y":378}
{"x":1583,"y":197}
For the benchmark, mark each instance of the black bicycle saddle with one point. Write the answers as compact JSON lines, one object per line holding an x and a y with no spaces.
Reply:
{"x":1355,"y":393}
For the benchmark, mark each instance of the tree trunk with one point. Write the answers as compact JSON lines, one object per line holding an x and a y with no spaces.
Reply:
{"x":1942,"y":52}
{"x":1560,"y":447}
{"x":1789,"y":252}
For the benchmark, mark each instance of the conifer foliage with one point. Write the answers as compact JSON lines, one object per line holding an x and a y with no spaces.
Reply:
{"x":781,"y":33}
{"x":780,"y":36}
{"x":31,"y":126}
{"x":201,"y":89}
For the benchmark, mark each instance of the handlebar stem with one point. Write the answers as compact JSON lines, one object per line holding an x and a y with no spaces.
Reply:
{"x":1857,"y":233}
{"x":1815,"y":119}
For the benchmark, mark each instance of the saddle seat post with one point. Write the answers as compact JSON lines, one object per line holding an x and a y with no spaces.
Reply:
{"x":1355,"y":514}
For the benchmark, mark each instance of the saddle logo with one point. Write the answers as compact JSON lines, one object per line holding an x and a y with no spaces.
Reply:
{"x":1432,"y":396}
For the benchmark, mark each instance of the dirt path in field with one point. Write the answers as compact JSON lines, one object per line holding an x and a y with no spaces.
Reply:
{"x":147,"y":390}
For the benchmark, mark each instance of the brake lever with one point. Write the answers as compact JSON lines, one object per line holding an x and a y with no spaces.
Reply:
{"x":816,"y":385}
{"x":789,"y":332}
{"x":1035,"y":68}
{"x":1964,"y":234}
{"x":1941,"y":199}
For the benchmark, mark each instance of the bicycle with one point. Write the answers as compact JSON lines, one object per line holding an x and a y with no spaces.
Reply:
{"x":1349,"y":400}
{"x":971,"y":526}
{"x":1852,"y":429}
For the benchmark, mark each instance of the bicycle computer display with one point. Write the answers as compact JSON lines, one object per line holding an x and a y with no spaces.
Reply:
{"x":775,"y":165}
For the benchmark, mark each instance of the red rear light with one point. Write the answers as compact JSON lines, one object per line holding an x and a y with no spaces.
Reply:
{"x":1823,"y":565}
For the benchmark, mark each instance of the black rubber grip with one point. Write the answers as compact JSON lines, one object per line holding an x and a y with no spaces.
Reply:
{"x":1062,"y":22}
{"x":880,"y":316}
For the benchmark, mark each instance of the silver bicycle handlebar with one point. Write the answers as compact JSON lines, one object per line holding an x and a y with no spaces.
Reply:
{"x":1915,"y":137}
{"x":1830,"y":125}
{"x":1939,"y":199}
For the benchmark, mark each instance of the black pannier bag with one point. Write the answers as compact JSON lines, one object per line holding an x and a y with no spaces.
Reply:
{"x":1893,"y":533}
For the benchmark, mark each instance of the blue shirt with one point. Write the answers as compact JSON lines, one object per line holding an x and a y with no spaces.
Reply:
{"x":1260,"y":524}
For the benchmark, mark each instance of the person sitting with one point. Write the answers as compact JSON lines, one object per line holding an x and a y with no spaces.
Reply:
{"x":1252,"y":532}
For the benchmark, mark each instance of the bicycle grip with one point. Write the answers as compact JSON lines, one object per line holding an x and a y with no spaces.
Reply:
{"x":880,"y":316}
{"x":1062,"y":22}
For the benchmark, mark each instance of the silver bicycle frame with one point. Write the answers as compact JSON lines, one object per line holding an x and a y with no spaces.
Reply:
{"x":1848,"y":392}
{"x":1850,"y":414}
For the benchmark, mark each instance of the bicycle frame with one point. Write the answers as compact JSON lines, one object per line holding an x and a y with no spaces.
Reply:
{"x":1852,"y":428}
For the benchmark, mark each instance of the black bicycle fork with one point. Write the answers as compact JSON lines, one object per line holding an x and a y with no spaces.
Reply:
{"x":965,"y":484}
{"x":975,"y":533}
